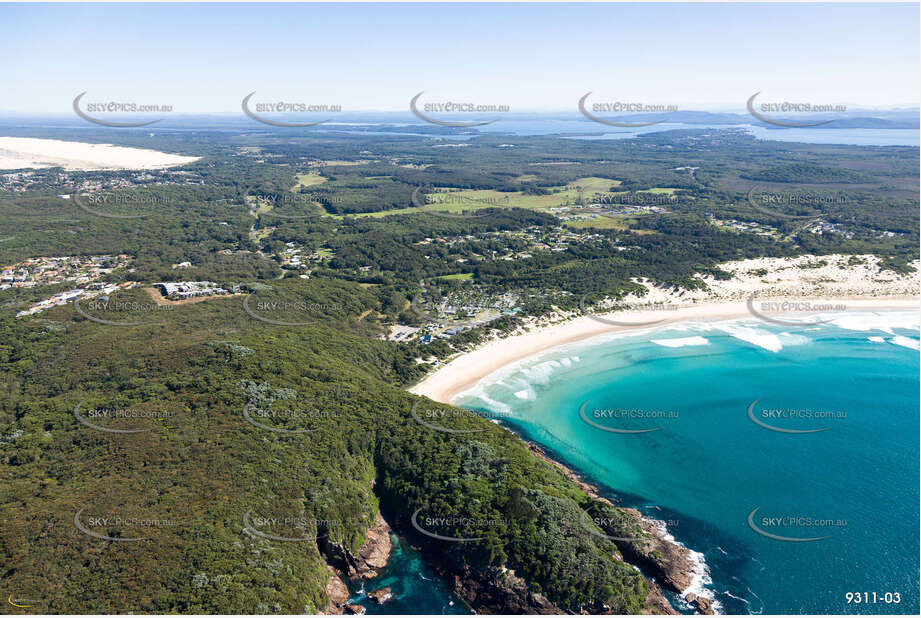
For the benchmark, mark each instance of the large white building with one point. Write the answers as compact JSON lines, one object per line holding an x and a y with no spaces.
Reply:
{"x":181,"y":290}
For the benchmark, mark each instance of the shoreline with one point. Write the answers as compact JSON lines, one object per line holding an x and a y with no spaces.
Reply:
{"x":466,"y":369}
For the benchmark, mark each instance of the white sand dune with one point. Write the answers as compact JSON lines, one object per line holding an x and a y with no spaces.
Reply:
{"x":32,"y":153}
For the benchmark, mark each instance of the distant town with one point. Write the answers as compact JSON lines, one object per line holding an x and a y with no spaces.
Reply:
{"x":30,"y":180}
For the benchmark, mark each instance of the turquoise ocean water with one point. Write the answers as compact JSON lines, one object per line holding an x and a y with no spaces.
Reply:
{"x":707,"y":465}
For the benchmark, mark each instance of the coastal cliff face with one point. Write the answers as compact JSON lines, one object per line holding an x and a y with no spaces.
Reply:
{"x":666,"y":561}
{"x":495,"y":591}
{"x":365,"y":564}
{"x":656,"y":603}
{"x":370,"y":558}
{"x":337,"y":592}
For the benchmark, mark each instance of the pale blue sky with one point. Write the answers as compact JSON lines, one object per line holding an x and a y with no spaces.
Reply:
{"x":206,"y":57}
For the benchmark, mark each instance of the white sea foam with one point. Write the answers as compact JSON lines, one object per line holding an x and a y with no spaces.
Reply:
{"x":906,"y":342}
{"x":790,"y":339}
{"x":495,"y":406}
{"x":700,"y":573}
{"x":729,"y":594}
{"x":876,"y":339}
{"x":541,"y":372}
{"x":700,"y":579}
{"x":883,"y":321}
{"x":478,"y":391}
{"x":761,"y":338}
{"x":681,"y":342}
{"x":746,"y":601}
{"x":520,"y":377}
{"x":760,"y":600}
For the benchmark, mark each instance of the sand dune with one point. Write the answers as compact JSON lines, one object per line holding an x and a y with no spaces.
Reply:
{"x":27,"y":152}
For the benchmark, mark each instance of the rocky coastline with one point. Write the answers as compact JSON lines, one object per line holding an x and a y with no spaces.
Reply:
{"x":667,"y":563}
{"x":364,"y":564}
{"x":497,"y":590}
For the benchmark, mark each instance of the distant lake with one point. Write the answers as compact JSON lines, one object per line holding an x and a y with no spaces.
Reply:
{"x":857,"y":137}
{"x":860,"y":137}
{"x":570,"y":128}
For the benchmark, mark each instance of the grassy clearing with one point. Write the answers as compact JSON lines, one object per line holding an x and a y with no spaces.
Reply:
{"x":486,"y":198}
{"x":457,"y":277}
{"x":263,"y":233}
{"x":453,"y":207}
{"x":594,"y":184}
{"x":600,"y":223}
{"x":341,"y":163}
{"x":309,"y":179}
{"x":624,"y":223}
{"x":665,"y":190}
{"x":456,"y":201}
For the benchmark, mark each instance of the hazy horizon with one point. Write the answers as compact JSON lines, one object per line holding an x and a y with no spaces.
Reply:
{"x":535,"y":58}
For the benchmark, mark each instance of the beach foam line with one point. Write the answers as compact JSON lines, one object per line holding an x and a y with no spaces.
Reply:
{"x":762,"y":339}
{"x":526,"y":394}
{"x":906,"y":342}
{"x":681,"y":342}
{"x":541,"y":373}
{"x":885,"y":323}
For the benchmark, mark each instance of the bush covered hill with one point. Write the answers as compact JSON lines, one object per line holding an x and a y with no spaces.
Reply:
{"x":192,"y":379}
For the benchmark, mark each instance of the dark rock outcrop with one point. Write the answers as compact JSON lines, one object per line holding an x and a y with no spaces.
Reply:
{"x":337,"y":592}
{"x":500,"y":591}
{"x":656,"y":603}
{"x":381,"y":596}
{"x":666,"y":561}
{"x":703,"y":605}
{"x":370,"y":558}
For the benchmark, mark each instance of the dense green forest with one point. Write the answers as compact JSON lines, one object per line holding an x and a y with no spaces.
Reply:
{"x":199,"y":466}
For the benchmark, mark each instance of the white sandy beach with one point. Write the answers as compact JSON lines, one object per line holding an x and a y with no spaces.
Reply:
{"x":862,"y":288}
{"x":32,"y":153}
